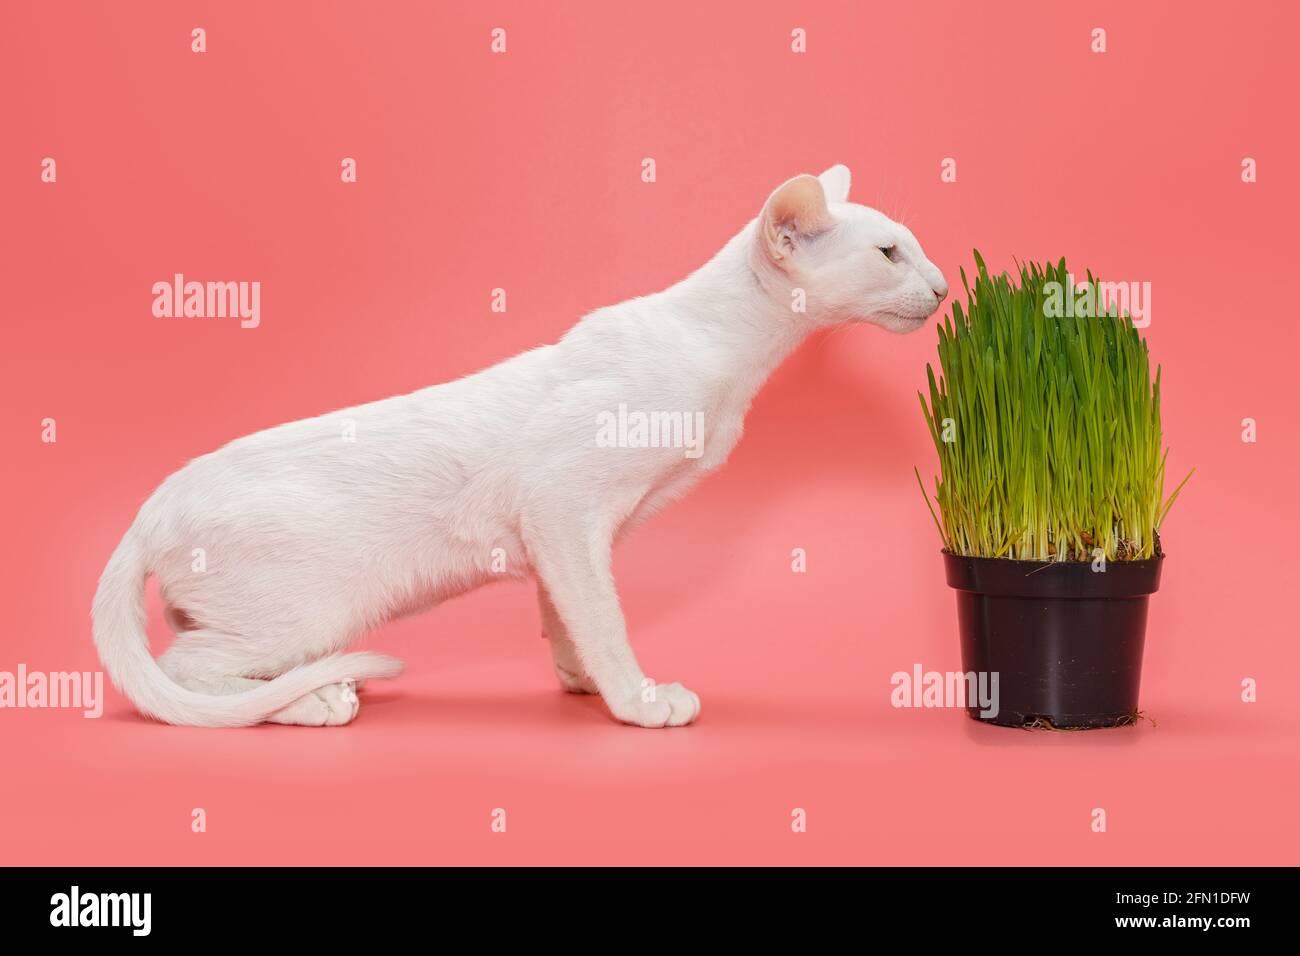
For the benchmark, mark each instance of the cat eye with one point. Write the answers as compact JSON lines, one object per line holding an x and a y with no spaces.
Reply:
{"x":887,"y":252}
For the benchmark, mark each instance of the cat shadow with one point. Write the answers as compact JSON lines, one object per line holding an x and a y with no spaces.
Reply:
{"x":751,"y":714}
{"x":414,"y":709}
{"x":518,"y":709}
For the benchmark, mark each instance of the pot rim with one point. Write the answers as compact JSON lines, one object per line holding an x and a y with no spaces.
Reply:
{"x":1073,"y":580}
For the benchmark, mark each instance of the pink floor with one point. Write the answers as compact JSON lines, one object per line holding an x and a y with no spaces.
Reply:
{"x":417,"y":779}
{"x":796,"y":715}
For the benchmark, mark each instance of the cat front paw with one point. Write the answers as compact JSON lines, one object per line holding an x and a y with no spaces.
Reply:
{"x":660,"y":705}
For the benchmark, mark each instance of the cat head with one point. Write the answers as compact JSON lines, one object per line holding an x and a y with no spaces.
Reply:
{"x":852,"y":264}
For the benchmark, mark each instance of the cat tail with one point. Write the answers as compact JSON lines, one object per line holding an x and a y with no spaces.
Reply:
{"x":123,"y":645}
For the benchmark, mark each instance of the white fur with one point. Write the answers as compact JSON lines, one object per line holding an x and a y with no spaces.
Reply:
{"x":311,"y":539}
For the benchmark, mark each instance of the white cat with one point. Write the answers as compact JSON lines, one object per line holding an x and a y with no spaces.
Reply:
{"x":319,"y":530}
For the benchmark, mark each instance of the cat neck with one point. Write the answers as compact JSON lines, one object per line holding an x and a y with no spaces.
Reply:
{"x":750,"y":331}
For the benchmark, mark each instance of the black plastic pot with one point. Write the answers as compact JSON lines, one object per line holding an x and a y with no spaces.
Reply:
{"x":1065,"y":640}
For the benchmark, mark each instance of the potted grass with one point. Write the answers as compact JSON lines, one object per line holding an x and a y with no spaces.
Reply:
{"x":1050,"y":491}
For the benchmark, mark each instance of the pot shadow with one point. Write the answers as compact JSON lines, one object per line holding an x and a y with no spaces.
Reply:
{"x":992,"y":735}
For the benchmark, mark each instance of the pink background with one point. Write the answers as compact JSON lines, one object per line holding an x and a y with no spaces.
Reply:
{"x":523,"y":171}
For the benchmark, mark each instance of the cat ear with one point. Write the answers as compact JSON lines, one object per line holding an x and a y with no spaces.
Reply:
{"x":797,"y":209}
{"x":836,"y":183}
